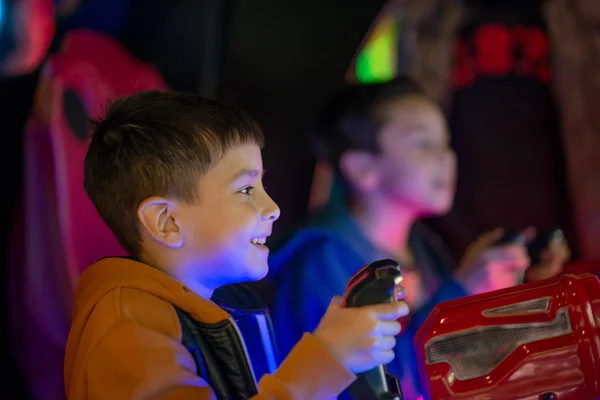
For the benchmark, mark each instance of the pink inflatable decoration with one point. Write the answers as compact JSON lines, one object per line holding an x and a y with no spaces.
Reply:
{"x":59,"y":232}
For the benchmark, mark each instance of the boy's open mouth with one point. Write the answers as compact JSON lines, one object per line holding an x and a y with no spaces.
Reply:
{"x":259,"y":241}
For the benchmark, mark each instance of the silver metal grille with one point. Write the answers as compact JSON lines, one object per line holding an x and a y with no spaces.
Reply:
{"x":476,"y":352}
{"x":524,"y":307}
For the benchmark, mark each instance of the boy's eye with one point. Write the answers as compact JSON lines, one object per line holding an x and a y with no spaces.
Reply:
{"x":248,"y":190}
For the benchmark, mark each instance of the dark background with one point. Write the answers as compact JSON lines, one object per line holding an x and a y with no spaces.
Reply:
{"x":281,"y":60}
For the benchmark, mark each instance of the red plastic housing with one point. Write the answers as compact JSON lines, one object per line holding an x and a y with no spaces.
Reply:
{"x":532,"y":341}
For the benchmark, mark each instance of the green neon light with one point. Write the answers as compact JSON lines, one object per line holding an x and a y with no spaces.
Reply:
{"x":377,"y":60}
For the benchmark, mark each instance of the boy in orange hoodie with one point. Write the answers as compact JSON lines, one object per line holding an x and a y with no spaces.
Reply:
{"x":178,"y":179}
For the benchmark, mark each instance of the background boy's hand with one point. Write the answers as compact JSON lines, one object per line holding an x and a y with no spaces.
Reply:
{"x":552,"y":261}
{"x":487,"y":267}
{"x":362,"y":337}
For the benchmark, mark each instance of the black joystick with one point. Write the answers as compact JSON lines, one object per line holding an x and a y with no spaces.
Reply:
{"x":376,"y":283}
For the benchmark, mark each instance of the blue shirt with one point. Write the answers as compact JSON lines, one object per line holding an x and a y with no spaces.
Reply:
{"x":318,"y":260}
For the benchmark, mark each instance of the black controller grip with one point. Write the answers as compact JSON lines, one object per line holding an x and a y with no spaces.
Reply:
{"x":377,"y":283}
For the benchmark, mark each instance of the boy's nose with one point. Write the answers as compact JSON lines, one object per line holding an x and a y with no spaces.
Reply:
{"x":270,"y":211}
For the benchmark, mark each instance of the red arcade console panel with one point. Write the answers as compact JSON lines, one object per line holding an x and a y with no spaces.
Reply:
{"x":535,"y":341}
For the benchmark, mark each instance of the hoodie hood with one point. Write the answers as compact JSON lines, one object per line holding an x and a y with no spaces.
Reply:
{"x":112,"y":273}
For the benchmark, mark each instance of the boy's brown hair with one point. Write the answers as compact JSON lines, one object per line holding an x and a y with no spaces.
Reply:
{"x":350,"y":120}
{"x":156,"y":143}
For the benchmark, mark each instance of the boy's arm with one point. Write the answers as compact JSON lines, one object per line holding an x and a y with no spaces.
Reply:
{"x":136,"y":362}
{"x":310,"y":371}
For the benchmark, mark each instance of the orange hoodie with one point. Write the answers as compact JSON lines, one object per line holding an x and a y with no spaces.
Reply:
{"x":125,"y":343}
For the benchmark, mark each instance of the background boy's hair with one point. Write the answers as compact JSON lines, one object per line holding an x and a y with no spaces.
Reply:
{"x":157,"y":144}
{"x":349,"y":121}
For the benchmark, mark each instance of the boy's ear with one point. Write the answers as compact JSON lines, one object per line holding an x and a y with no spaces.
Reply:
{"x":155,"y":215}
{"x":360,"y":169}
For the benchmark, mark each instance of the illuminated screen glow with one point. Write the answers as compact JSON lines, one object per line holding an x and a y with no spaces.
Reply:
{"x":378,"y":57}
{"x":376,"y":61}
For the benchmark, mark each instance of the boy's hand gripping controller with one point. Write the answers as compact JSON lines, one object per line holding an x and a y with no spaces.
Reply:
{"x":376,"y":283}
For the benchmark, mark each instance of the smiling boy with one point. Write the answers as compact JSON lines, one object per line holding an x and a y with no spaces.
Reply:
{"x":178,"y":180}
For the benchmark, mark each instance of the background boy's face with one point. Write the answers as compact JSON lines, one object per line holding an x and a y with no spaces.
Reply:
{"x":224,"y":232}
{"x":416,"y":166}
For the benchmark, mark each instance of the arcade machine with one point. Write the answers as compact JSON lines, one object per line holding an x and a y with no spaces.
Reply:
{"x":536,"y":341}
